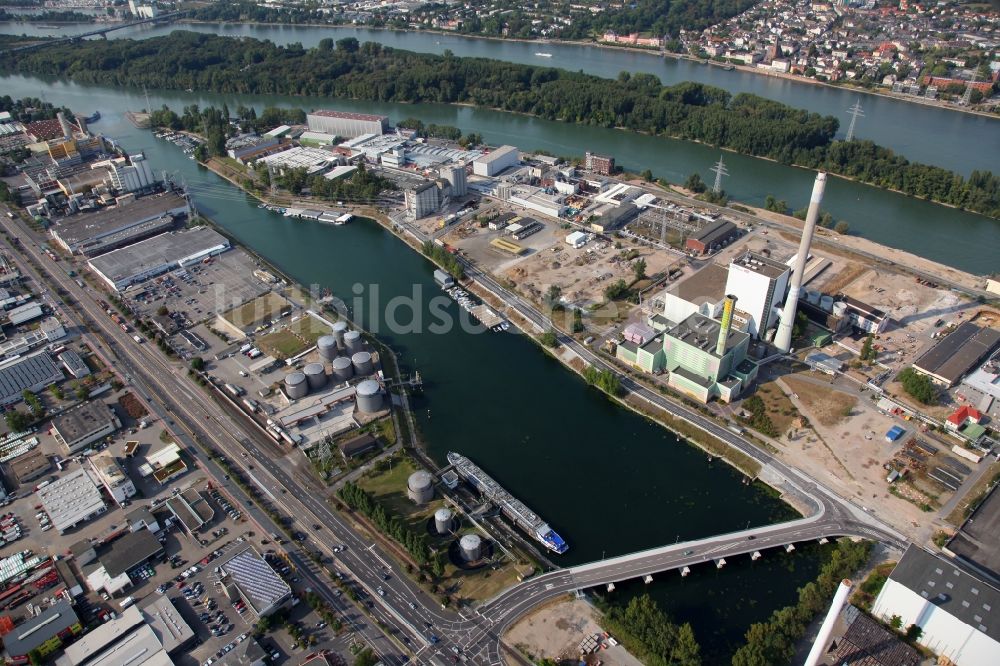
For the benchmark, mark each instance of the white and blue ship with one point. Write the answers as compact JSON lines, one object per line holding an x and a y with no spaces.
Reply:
{"x":510,"y":506}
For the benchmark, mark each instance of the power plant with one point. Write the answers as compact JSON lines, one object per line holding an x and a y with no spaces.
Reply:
{"x":839,"y":599}
{"x":783,"y":338}
{"x":727,"y":323}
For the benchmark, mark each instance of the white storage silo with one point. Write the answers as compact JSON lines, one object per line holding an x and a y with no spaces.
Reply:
{"x":442,"y":520}
{"x":296,"y":386}
{"x":420,"y":487}
{"x":353,"y":342}
{"x":315,"y":375}
{"x":362,"y":362}
{"x":471,"y":544}
{"x":369,"y":396}
{"x":342,"y":369}
{"x":339,"y":329}
{"x":327,"y":346}
{"x":839,"y":309}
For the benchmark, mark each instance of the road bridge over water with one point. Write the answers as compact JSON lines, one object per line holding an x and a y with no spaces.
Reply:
{"x":101,"y":31}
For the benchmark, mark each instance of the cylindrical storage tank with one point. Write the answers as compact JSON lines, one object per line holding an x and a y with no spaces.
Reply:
{"x":315,"y":375}
{"x":342,"y":369}
{"x":369,"y":396}
{"x":362,"y":362}
{"x":839,"y":309}
{"x":353,"y":342}
{"x":442,"y":520}
{"x":470,"y":544}
{"x":812,"y":296}
{"x":327,"y":346}
{"x":826,"y":302}
{"x":296,"y":386}
{"x":420,"y":487}
{"x":339,"y":329}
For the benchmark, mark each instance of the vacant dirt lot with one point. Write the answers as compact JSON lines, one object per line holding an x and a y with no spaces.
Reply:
{"x":555,"y":631}
{"x":828,"y":406}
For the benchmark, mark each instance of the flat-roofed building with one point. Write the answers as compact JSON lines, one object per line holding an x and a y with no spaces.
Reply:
{"x":602,"y":164}
{"x":94,"y":233}
{"x":356,"y":446}
{"x":80,"y":426}
{"x":952,"y":357}
{"x":421,"y":200}
{"x":29,"y":467}
{"x":496,"y":161}
{"x":28,"y":373}
{"x":95,"y":641}
{"x":160,"y":254}
{"x":759,"y":284}
{"x":73,"y":364}
{"x":164,"y":464}
{"x":71,"y":500}
{"x":260,"y":587}
{"x":45,"y":633}
{"x":134,"y":638}
{"x":191,"y":510}
{"x":346,"y":124}
{"x":110,"y":473}
{"x":142,"y":518}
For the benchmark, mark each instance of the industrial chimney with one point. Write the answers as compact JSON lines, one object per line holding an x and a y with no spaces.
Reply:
{"x":839,"y":599}
{"x":727,"y":323}
{"x":783,"y":338}
{"x":67,"y":129}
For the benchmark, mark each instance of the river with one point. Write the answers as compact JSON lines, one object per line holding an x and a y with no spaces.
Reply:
{"x":609,"y":481}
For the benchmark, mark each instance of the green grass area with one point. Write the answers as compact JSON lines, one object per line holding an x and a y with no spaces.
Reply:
{"x":388,"y":486}
{"x":481,"y":584}
{"x":260,"y":309}
{"x":294,"y":338}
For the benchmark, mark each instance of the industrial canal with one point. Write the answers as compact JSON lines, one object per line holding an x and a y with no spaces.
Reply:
{"x":608,"y":480}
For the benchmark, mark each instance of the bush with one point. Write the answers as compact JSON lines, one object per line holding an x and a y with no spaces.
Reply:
{"x":918,"y":386}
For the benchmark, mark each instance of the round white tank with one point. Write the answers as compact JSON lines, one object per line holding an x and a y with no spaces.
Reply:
{"x":369,"y":396}
{"x":839,"y":309}
{"x":315,"y":375}
{"x":471,"y":545}
{"x":327,"y":346}
{"x":353,"y":341}
{"x":362,"y":362}
{"x":339,"y":329}
{"x":442,"y":520}
{"x":420,"y":487}
{"x":342,"y":369}
{"x":296,"y":385}
{"x":826,"y":302}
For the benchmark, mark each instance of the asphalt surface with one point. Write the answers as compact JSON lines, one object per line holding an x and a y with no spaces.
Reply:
{"x":475,"y":635}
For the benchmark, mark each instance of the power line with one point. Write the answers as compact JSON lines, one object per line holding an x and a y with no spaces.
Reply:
{"x":720,"y":170}
{"x":856,"y":113}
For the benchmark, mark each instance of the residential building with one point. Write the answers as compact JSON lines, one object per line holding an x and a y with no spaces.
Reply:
{"x":80,"y":426}
{"x":345,"y":124}
{"x":601,"y":164}
{"x":952,"y":607}
{"x":759,"y":284}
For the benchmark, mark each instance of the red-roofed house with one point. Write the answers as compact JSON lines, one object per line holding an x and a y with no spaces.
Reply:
{"x":963,"y":415}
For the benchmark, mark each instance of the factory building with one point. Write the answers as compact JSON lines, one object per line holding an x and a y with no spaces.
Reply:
{"x":246,"y":575}
{"x":71,"y":500}
{"x":132,"y":175}
{"x":29,"y":373}
{"x":80,"y":426}
{"x":712,"y":237}
{"x":759,"y":284}
{"x":495,"y":162}
{"x":345,"y":124}
{"x":863,"y":316}
{"x":160,"y":254}
{"x":601,"y":164}
{"x":91,"y":234}
{"x":705,"y":358}
{"x":952,"y":357}
{"x":112,"y":476}
{"x":421,"y":200}
{"x":455,"y":175}
{"x":952,"y":607}
{"x":46,"y":632}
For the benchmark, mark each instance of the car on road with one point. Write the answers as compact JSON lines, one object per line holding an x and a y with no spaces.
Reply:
{"x":751,"y":538}
{"x":689,"y":552}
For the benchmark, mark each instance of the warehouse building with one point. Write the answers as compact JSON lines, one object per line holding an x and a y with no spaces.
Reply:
{"x":29,"y":373}
{"x":952,"y":607}
{"x":46,"y":632}
{"x":71,"y":500}
{"x":110,"y":473}
{"x":494,"y":163}
{"x":135,"y":638}
{"x":29,"y":467}
{"x":80,"y":426}
{"x":313,"y":160}
{"x":712,"y":237}
{"x":191,"y":510}
{"x":248,"y":576}
{"x":73,"y":364}
{"x":346,"y":124}
{"x":160,"y":254}
{"x":975,"y":544}
{"x":92,"y":234}
{"x":759,"y":284}
{"x":952,"y":357}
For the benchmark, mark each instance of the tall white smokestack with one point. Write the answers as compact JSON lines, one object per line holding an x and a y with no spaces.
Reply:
{"x":783,"y":338}
{"x":839,"y":599}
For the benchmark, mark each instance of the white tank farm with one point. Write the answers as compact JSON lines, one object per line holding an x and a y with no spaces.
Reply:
{"x":839,"y":309}
{"x":327,"y":346}
{"x":353,"y":342}
{"x":369,"y":396}
{"x":296,"y":385}
{"x":471,"y":545}
{"x":342,"y":369}
{"x":420,"y":487}
{"x":339,"y":329}
{"x":315,"y":375}
{"x":362,"y":362}
{"x":442,"y":520}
